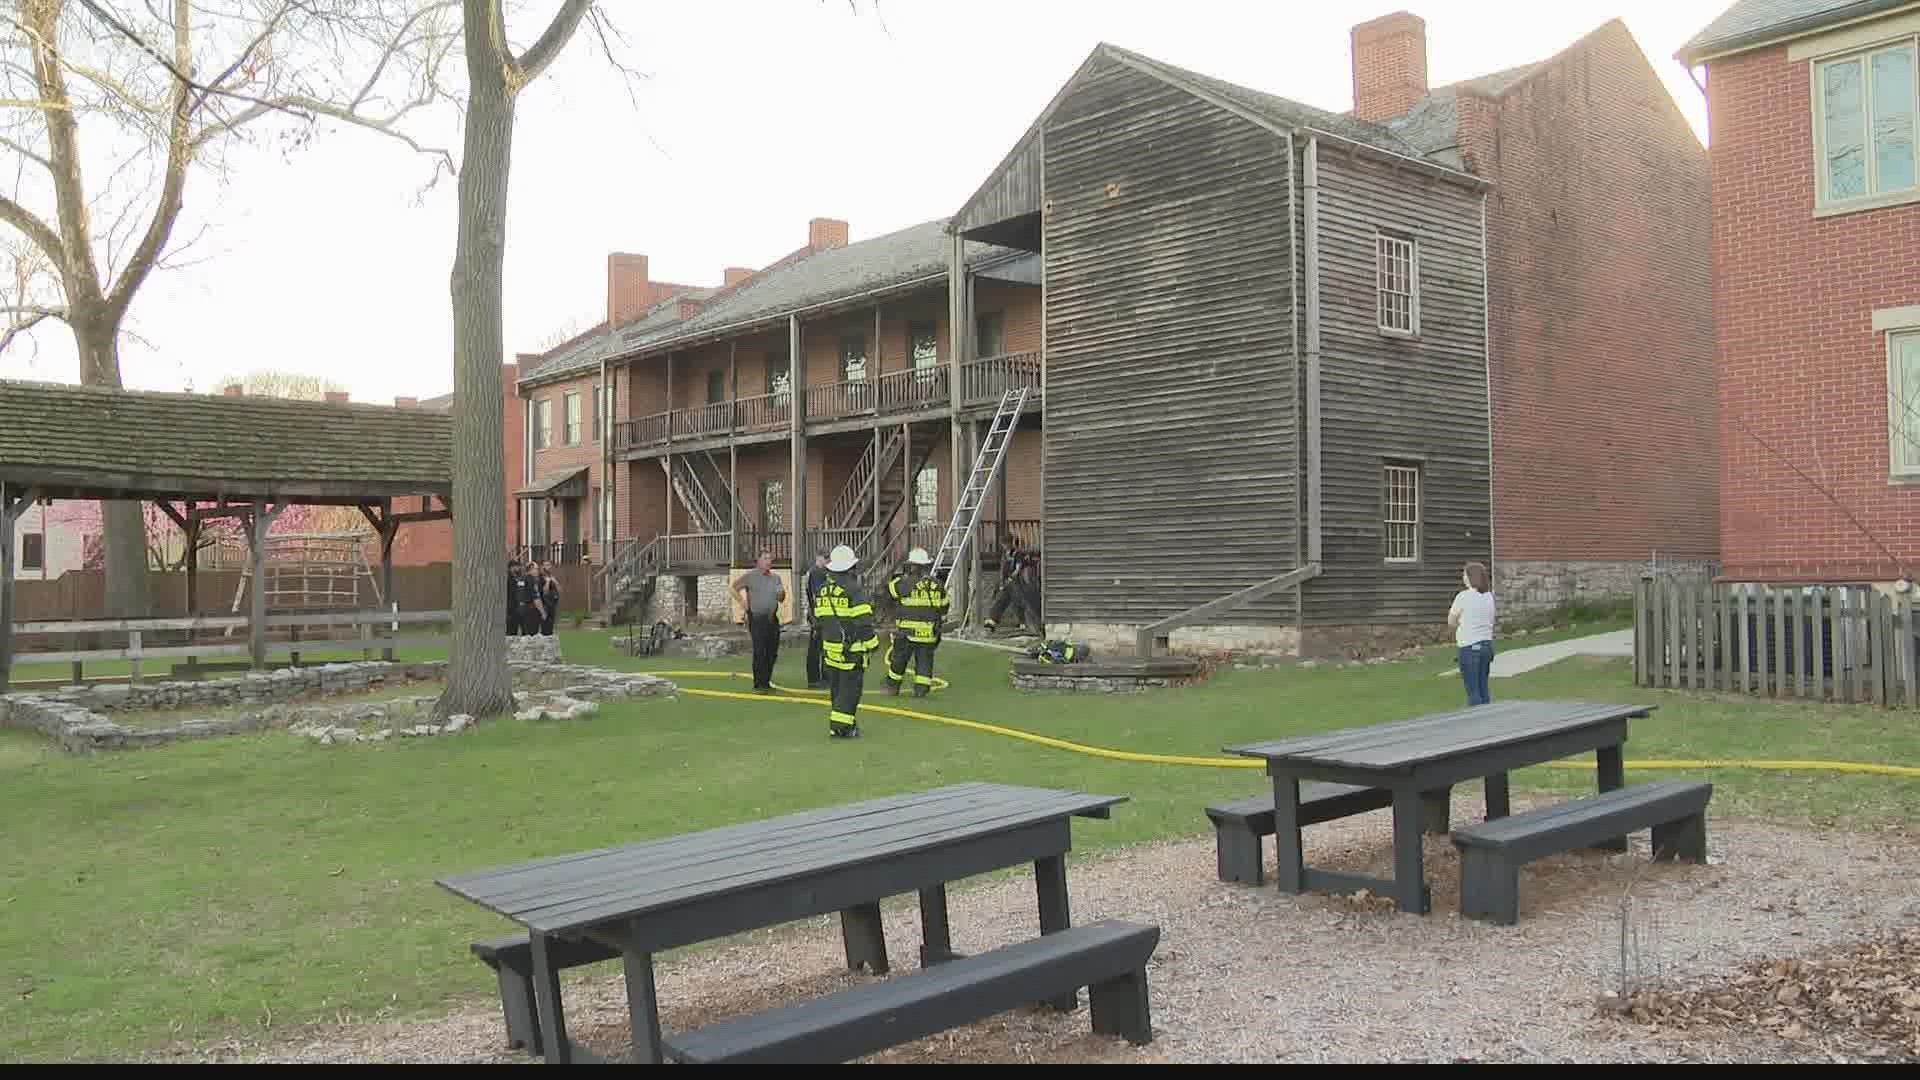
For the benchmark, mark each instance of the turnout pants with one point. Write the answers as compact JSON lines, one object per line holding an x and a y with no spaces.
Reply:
{"x":904,"y":650}
{"x":846,"y":683}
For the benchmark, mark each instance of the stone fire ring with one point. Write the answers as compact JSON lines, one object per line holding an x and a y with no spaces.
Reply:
{"x":1106,"y":676}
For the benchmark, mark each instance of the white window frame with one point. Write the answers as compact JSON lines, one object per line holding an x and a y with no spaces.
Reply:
{"x":1898,"y":470}
{"x":543,"y":424}
{"x":1382,"y":242}
{"x":1387,"y":472}
{"x":1823,"y":201}
{"x":573,"y":418}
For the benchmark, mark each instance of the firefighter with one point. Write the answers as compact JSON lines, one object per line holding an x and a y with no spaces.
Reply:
{"x":922,"y":605}
{"x":845,"y":618}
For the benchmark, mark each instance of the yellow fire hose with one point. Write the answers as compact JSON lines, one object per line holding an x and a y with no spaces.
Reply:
{"x":789,"y":695}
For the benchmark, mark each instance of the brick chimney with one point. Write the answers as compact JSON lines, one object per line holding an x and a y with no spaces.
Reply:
{"x":235,"y":390}
{"x":824,"y":233}
{"x":339,"y":397}
{"x":736,"y":274}
{"x":406,"y":403}
{"x":629,"y":292}
{"x":1389,"y":66}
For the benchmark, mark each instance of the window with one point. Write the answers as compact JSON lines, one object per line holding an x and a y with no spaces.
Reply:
{"x":989,"y":334}
{"x":543,"y":424}
{"x":599,"y":410}
{"x":926,"y":494}
{"x":1401,"y":517}
{"x":33,"y":551}
{"x":1864,"y":111}
{"x":1903,"y":405}
{"x":716,"y":386}
{"x":1398,"y":277}
{"x":574,"y":419}
{"x":773,"y":505}
{"x":853,"y":357}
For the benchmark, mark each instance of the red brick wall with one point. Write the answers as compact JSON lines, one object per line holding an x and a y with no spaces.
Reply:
{"x":1600,"y":289}
{"x":1801,"y":366}
{"x":432,"y":541}
{"x":560,"y":457}
{"x":1389,"y":65}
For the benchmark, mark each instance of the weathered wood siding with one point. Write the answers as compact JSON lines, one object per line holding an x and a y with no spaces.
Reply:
{"x":1013,"y":191}
{"x":1170,"y":454}
{"x":1420,"y":400}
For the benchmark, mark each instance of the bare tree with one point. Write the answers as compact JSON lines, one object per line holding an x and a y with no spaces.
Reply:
{"x":478,"y":680}
{"x":266,"y":382}
{"x":107,"y":112}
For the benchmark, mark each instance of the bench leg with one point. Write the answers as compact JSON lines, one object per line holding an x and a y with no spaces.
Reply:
{"x":1290,"y":861}
{"x":1050,"y":878}
{"x":936,"y":938}
{"x":1685,"y":839}
{"x":516,"y":1000}
{"x":1409,"y":869}
{"x":1498,"y":803}
{"x":554,"y":1044}
{"x":1437,"y":808}
{"x":1120,"y":1007}
{"x":643,"y":1007}
{"x":1489,"y":887}
{"x":865,"y":937}
{"x":1237,"y":851}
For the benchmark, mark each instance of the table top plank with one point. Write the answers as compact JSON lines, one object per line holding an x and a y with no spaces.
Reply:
{"x":523,"y":880}
{"x":658,"y":860}
{"x":1402,"y":745}
{"x":804,"y":857}
{"x":610,"y":883}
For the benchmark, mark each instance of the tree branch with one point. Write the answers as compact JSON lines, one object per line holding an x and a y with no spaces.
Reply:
{"x":180,"y":77}
{"x":528,"y":65}
{"x":174,"y":184}
{"x":35,"y":318}
{"x":30,"y":225}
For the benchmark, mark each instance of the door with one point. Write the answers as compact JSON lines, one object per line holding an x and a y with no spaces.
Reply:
{"x":570,"y":527}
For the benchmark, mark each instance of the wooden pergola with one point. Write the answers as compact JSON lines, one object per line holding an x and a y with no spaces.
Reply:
{"x":199,"y":457}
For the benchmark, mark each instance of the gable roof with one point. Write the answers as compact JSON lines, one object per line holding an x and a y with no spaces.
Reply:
{"x":95,"y":442}
{"x":1751,"y":23}
{"x":1433,"y":124}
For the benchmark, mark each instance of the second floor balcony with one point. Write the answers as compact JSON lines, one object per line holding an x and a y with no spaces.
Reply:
{"x":910,"y":392}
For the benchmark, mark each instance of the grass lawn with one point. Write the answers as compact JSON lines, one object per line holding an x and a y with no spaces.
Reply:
{"x":194,"y":890}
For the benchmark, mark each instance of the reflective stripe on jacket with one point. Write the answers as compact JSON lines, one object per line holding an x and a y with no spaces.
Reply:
{"x":845,"y":619}
{"x":921,"y":608}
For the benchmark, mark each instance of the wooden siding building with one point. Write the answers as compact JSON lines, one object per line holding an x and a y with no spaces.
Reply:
{"x":1264,"y":358}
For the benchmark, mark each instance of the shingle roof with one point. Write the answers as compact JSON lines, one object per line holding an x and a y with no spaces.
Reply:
{"x":1754,"y":22}
{"x":85,"y":441}
{"x":583,"y":352}
{"x":1282,"y":111}
{"x":1433,"y":124}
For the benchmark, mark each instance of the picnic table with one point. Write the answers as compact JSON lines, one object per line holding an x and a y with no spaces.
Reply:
{"x":640,"y":899}
{"x":1431,"y":753}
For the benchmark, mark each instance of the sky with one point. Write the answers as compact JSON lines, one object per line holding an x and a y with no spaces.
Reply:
{"x":750,"y":118}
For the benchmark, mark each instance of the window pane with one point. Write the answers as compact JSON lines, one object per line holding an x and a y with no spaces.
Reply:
{"x":1845,"y":131}
{"x":1905,"y":406}
{"x":926,"y":494}
{"x":1893,"y":119}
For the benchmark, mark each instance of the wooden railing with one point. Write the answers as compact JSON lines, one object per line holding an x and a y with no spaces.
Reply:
{"x":982,"y":381}
{"x":562,"y":553}
{"x":631,"y":562}
{"x":890,"y":393}
{"x":148,"y":639}
{"x":696,"y":550}
{"x":855,"y":498}
{"x":1840,"y":643}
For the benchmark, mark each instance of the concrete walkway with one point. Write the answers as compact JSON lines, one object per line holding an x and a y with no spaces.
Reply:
{"x":1508,"y":662}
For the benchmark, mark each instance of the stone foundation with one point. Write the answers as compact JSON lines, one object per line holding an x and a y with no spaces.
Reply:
{"x":1524,"y":585}
{"x":79,"y":719}
{"x":1369,"y":642}
{"x":669,"y":600}
{"x":533,"y":649}
{"x":1120,"y":639}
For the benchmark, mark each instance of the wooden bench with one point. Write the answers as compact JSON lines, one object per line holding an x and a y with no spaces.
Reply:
{"x":1238,"y":826}
{"x":1491,"y":853}
{"x":511,"y":958}
{"x":1109,"y":958}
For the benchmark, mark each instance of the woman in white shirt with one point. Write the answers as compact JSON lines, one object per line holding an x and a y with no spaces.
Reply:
{"x":1471,"y":620}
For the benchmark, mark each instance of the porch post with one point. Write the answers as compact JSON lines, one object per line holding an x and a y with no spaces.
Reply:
{"x":957,"y":345}
{"x":257,"y":611}
{"x":906,"y":479}
{"x":389,"y":529}
{"x":796,"y":456}
{"x":13,"y":502}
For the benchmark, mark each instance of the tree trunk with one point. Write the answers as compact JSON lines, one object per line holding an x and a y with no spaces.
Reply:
{"x":123,"y":528}
{"x":478,"y":681}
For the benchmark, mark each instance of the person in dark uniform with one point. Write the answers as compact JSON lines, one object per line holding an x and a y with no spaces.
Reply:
{"x":526,"y":605}
{"x":846,"y":637}
{"x":921,"y":606}
{"x":1015,"y":572}
{"x":816,"y":577}
{"x":513,"y":587}
{"x":549,"y":598}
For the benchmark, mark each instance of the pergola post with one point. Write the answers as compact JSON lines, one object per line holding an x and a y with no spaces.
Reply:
{"x":389,"y":529}
{"x":14,"y":501}
{"x":260,"y":521}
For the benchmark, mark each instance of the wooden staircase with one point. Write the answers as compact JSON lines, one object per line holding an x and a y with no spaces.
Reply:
{"x":627,"y":580}
{"x":701,"y":485}
{"x":883,"y":539}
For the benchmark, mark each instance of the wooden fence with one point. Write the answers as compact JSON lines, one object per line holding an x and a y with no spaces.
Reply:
{"x":1844,"y":643}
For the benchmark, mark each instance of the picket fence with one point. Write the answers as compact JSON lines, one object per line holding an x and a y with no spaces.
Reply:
{"x":1840,"y":643}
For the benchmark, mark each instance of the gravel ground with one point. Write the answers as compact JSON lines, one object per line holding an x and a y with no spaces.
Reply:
{"x":1245,"y":974}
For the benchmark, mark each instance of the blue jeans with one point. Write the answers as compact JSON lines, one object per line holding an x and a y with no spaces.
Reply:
{"x":1476,"y":662}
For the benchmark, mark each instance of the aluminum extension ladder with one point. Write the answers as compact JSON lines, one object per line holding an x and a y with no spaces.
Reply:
{"x":986,"y":467}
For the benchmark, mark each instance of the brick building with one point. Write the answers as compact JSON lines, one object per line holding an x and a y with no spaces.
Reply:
{"x":1817,"y":296}
{"x":1599,"y":289}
